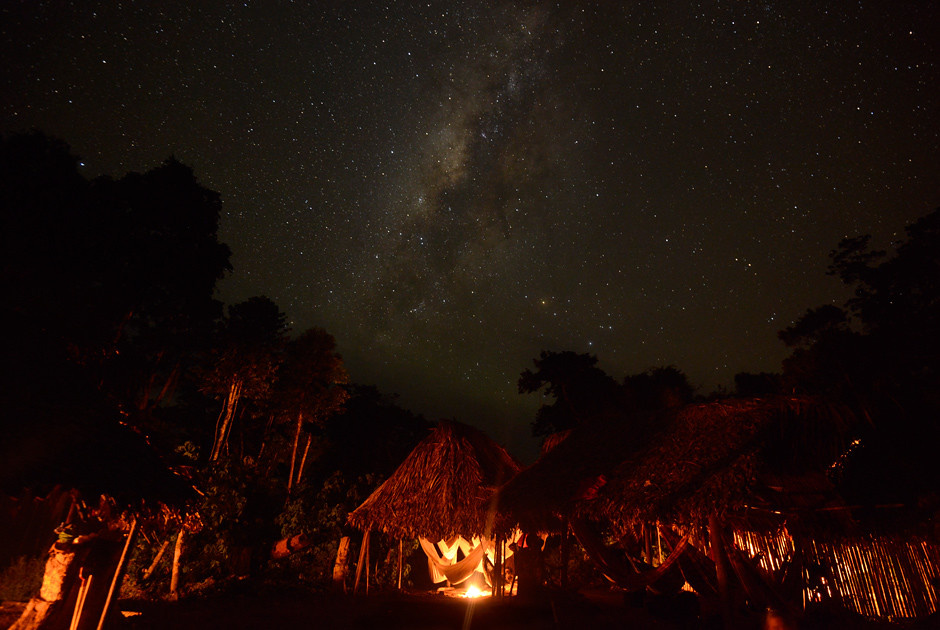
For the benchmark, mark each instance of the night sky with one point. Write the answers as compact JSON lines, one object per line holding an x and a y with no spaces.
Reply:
{"x":451,"y":187}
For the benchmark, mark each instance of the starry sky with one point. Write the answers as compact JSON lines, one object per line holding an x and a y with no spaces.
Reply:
{"x":451,"y":187}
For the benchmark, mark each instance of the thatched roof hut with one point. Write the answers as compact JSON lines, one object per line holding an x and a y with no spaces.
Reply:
{"x":570,"y":466}
{"x":725,"y":457}
{"x":444,"y":488}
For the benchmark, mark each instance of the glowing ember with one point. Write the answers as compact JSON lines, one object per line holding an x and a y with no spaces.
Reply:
{"x":473,"y":591}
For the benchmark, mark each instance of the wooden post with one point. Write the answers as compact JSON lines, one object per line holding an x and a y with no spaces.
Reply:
{"x":647,"y":545}
{"x":367,"y":569}
{"x":116,"y":580}
{"x":80,"y":600}
{"x":497,"y":567}
{"x":400,"y":551}
{"x":342,"y":561}
{"x":659,"y":545}
{"x":721,"y":567}
{"x":175,"y":574}
{"x":363,"y":559}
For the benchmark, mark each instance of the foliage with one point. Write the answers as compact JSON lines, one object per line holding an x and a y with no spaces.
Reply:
{"x":319,"y":510}
{"x":880,"y":353}
{"x":238,"y":513}
{"x":310,"y":376}
{"x":114,"y":277}
{"x":21,"y":579}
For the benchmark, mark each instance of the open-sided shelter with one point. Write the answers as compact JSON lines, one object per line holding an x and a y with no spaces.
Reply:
{"x":444,"y":494}
{"x":737,"y":495}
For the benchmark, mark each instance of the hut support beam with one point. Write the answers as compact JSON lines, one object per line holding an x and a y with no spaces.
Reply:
{"x":399,"y":562}
{"x":722,"y":568}
{"x":363,"y":560}
{"x":500,"y":577}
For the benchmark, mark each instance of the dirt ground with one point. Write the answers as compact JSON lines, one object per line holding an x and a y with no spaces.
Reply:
{"x":601,"y":610}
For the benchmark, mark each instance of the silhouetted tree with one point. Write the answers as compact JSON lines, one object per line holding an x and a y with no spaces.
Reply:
{"x":309,"y":389}
{"x":115,"y":276}
{"x":580,"y":389}
{"x":880,"y":353}
{"x":244,"y":363}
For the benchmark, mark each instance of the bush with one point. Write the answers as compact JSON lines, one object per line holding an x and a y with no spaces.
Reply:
{"x":21,"y":580}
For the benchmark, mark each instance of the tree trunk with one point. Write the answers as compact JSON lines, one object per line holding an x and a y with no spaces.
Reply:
{"x":341,"y":566}
{"x":175,"y":573}
{"x":303,"y":460}
{"x":228,"y":415}
{"x":293,"y":454}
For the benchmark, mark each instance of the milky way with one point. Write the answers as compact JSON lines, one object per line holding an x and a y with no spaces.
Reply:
{"x":450,"y":188}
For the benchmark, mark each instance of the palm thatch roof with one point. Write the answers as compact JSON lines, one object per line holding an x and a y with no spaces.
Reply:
{"x":679,"y":464}
{"x":724,"y":456}
{"x":445,"y":487}
{"x":570,"y":466}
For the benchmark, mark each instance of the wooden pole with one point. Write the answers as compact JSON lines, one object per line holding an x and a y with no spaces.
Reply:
{"x":80,"y":601}
{"x":156,"y":560}
{"x":497,"y":567}
{"x":400,"y":551}
{"x":362,"y":560}
{"x":721,"y":567}
{"x":175,"y":573}
{"x":339,"y":569}
{"x":117,"y":573}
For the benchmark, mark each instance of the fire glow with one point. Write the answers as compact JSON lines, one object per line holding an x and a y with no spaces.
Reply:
{"x":473,"y":592}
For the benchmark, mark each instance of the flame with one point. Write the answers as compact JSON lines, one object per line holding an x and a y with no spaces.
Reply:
{"x":473,"y":591}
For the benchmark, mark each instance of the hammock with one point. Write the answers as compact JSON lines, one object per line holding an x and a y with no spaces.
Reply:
{"x":443,"y":566}
{"x":615,"y":568}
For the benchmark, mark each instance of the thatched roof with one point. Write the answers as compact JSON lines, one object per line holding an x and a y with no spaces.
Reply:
{"x":445,"y":487}
{"x":677,"y":464}
{"x":569,"y":467}
{"x":718,"y":457}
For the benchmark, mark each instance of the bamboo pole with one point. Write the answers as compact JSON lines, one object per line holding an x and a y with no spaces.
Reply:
{"x":115,"y":580}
